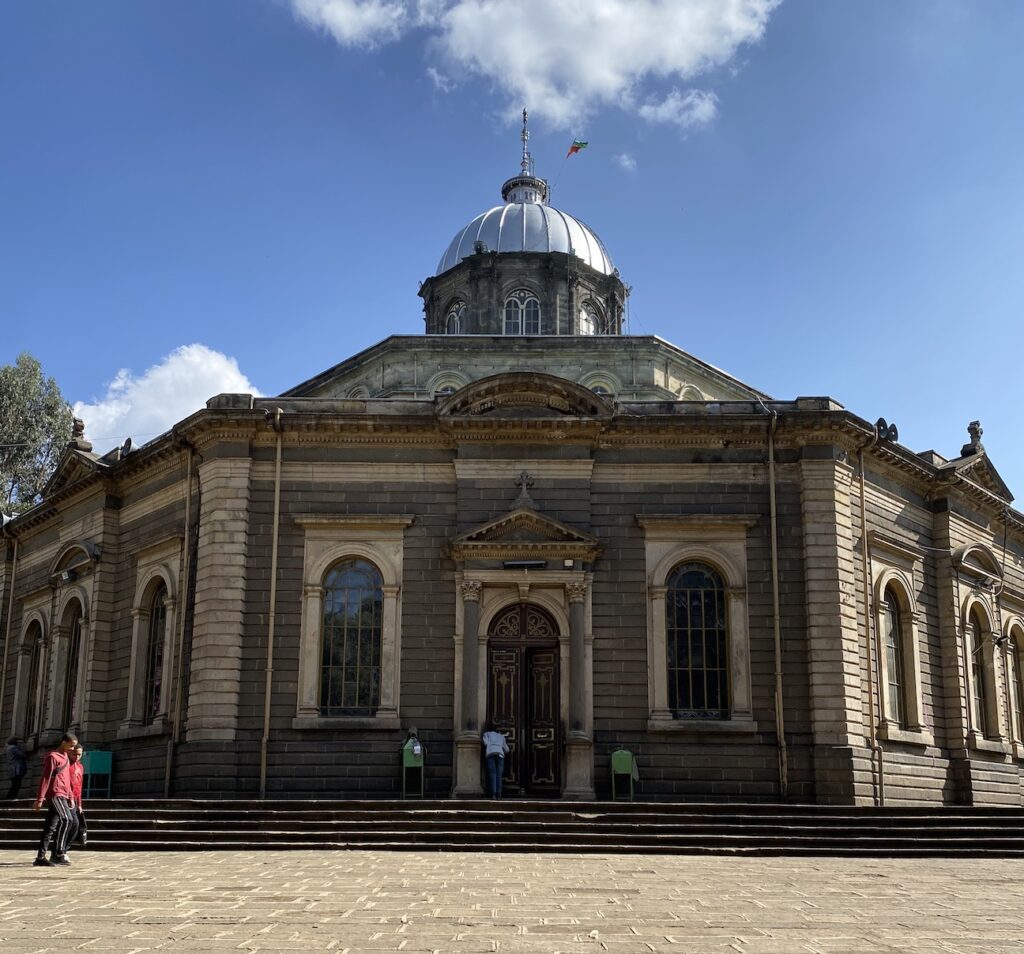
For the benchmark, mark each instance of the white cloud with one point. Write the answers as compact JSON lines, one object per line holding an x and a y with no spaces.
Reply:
{"x":142,"y":407}
{"x":440,"y":81}
{"x":356,"y":22}
{"x":626,"y":161}
{"x":561,"y":58}
{"x":695,"y":107}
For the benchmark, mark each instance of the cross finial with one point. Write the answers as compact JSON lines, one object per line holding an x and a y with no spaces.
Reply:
{"x":975,"y":445}
{"x":524,"y":484}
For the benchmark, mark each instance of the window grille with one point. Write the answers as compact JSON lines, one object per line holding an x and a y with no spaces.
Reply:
{"x":894,"y":660}
{"x":696,"y":643}
{"x":155,"y":653}
{"x":351,"y":640}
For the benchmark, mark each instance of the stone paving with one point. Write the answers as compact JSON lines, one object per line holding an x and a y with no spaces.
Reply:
{"x":366,"y":901}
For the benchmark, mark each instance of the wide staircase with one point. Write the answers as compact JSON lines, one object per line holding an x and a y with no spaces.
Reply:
{"x":520,"y":825}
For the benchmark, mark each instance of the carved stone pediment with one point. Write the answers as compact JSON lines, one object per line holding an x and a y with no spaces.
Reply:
{"x":978,"y":469}
{"x":74,"y":465}
{"x":525,"y":394}
{"x":523,"y":533}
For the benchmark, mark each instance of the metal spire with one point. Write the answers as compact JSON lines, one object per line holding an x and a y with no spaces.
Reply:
{"x":527,"y":163}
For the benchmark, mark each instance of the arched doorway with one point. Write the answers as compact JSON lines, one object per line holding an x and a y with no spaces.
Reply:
{"x":523,"y":698}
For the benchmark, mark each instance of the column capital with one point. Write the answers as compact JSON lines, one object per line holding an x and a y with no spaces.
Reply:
{"x":471,"y":590}
{"x":390,"y":590}
{"x":658,"y":592}
{"x":576,"y":592}
{"x":313,"y":589}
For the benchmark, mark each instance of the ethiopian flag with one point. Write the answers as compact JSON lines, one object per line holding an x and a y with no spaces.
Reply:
{"x":577,"y":145}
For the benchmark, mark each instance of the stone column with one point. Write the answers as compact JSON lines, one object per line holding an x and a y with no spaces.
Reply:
{"x":467,"y":743}
{"x":579,"y":772}
{"x":577,"y":593}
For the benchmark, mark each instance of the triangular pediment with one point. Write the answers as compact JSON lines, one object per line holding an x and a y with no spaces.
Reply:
{"x":74,"y":465}
{"x":978,"y":469}
{"x":525,"y":532}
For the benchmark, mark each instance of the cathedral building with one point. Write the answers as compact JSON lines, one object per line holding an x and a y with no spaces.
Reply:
{"x":525,"y":518}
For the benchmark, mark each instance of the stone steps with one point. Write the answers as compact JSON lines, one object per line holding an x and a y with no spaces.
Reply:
{"x":520,"y":825}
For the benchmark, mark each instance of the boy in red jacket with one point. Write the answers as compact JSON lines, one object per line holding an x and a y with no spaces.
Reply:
{"x":56,"y":791}
{"x":77,"y":777}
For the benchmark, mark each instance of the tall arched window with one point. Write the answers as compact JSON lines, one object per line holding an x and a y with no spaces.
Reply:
{"x":351,"y":640}
{"x":976,"y":638}
{"x":155,"y":653}
{"x":70,"y":710}
{"x":35,"y":661}
{"x":696,"y":643}
{"x":454,"y":323}
{"x":894,"y":667}
{"x":1017,"y":686}
{"x":590,"y":319}
{"x":522,"y":313}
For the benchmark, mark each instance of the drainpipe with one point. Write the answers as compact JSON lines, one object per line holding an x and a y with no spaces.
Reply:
{"x":185,"y":588}
{"x":276,"y":423}
{"x":7,"y":628}
{"x":876,"y":748}
{"x":780,"y":714}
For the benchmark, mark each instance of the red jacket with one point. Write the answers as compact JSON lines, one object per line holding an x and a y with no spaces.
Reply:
{"x":55,"y":782}
{"x":77,"y":774}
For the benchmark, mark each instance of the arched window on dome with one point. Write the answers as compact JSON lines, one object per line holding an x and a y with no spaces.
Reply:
{"x":455,"y":321}
{"x":522,"y":313}
{"x":590,"y":319}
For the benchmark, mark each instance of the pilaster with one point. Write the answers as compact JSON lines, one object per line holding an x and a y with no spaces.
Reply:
{"x":216,"y":670}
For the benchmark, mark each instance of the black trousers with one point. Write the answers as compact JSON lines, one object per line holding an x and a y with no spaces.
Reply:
{"x":16,"y":780}
{"x":59,"y":827}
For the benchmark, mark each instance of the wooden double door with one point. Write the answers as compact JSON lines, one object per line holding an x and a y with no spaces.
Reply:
{"x":523,"y":698}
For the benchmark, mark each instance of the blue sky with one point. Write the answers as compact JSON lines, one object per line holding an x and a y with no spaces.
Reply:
{"x":818,"y":197}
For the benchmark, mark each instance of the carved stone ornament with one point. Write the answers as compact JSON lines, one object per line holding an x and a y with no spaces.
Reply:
{"x":577,"y":592}
{"x":471,"y":590}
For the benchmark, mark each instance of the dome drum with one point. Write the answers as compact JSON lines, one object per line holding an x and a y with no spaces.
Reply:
{"x":489,"y":293}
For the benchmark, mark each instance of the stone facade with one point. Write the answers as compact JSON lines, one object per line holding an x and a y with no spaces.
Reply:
{"x":591,"y":540}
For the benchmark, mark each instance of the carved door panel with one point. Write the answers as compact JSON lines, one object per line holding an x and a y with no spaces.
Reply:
{"x":504,"y":703}
{"x":523,"y":699}
{"x":542,"y":721}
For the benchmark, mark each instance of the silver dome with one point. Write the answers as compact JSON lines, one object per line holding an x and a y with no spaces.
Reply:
{"x":528,"y":227}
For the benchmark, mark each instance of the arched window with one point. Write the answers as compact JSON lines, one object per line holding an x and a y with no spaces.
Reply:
{"x":590,"y":319}
{"x":976,"y":645}
{"x":1017,"y":685}
{"x":454,"y":323}
{"x":894,"y":659}
{"x":696,"y":643}
{"x":155,"y":653}
{"x":35,"y":660}
{"x":522,"y":313}
{"x":351,"y":640}
{"x":70,"y":710}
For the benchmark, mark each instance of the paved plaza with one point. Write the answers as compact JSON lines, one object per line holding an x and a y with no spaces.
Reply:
{"x":474,"y":902}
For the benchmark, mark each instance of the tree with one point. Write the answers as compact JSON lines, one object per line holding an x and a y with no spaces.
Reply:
{"x":35,"y":427}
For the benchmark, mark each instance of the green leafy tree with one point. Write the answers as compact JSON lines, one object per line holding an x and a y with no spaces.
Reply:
{"x":35,"y":427}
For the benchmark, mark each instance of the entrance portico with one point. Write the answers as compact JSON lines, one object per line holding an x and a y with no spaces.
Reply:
{"x":524,"y":653}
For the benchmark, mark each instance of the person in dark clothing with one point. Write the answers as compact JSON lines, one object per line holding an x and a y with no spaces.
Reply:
{"x":56,"y":791}
{"x":17,"y":765}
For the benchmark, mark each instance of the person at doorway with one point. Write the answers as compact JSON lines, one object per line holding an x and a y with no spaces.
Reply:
{"x":56,"y":793}
{"x":17,"y":765}
{"x":496,"y":748}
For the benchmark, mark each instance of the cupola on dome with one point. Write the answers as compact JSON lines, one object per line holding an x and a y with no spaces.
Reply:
{"x":526,"y":223}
